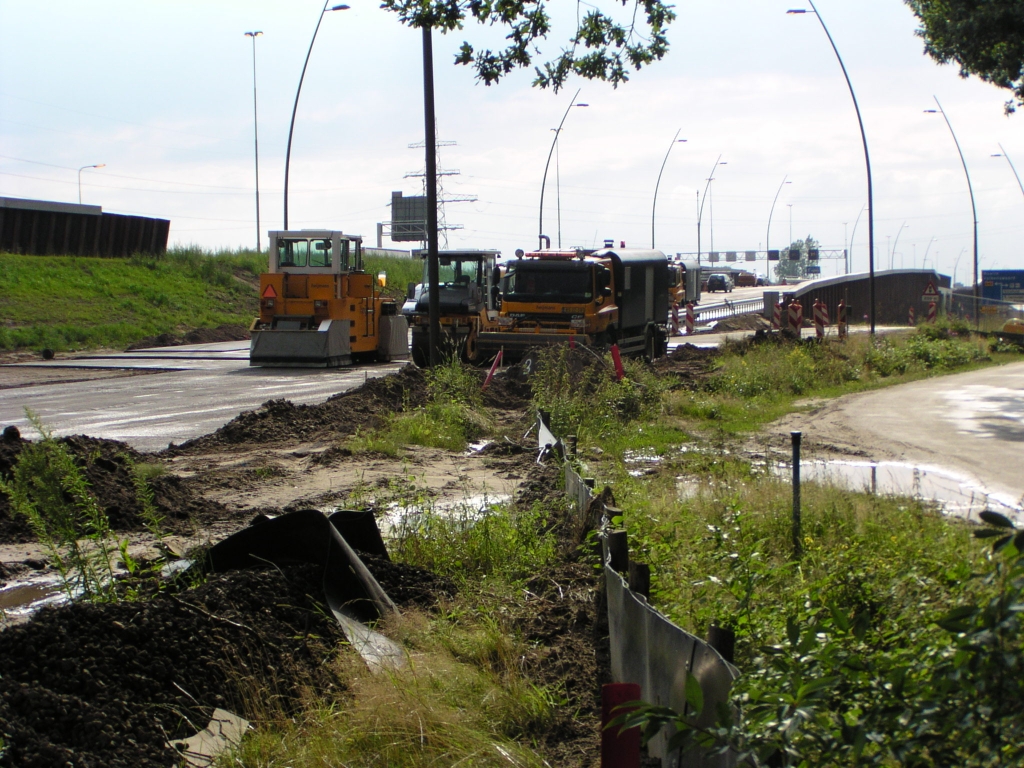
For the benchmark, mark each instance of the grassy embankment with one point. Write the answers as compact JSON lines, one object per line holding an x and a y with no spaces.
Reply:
{"x":70,"y":303}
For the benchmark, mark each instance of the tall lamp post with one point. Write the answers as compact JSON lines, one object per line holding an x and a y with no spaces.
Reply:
{"x":256,"y":134}
{"x":700,"y":213}
{"x":654,"y":205}
{"x":974,"y":209}
{"x":1003,"y":151}
{"x":544,"y":181}
{"x":101,"y":165}
{"x":768,"y":233}
{"x":291,"y":126}
{"x":892,"y":253}
{"x":867,"y":164}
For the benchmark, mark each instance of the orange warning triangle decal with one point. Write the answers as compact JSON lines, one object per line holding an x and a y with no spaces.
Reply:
{"x":269,"y":292}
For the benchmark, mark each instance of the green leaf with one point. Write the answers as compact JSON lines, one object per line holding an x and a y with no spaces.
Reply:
{"x":808,"y":689}
{"x":996,"y":519}
{"x":956,"y":620}
{"x":990,"y":533}
{"x":1001,"y":543}
{"x":792,"y":631}
{"x":1018,"y":542}
{"x":694,"y":695}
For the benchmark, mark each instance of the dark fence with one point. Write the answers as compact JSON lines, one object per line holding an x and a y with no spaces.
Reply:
{"x":42,"y":228}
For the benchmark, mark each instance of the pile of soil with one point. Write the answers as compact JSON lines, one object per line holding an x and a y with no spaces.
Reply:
{"x":105,"y":465}
{"x":688,"y":364}
{"x":748,"y":322}
{"x":195,"y":336}
{"x":279,"y":422}
{"x":109,"y":685}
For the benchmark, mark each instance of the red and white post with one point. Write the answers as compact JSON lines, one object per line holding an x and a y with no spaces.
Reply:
{"x":675,"y":318}
{"x":910,"y":316}
{"x":933,"y":312}
{"x":820,"y":318}
{"x":796,"y":317}
{"x":691,"y":319}
{"x":841,"y":320}
{"x":777,"y":316}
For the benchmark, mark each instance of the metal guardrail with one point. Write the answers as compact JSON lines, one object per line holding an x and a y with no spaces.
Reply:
{"x":706,"y":312}
{"x":648,"y":649}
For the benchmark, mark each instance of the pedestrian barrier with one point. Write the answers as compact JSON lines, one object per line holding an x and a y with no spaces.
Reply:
{"x":646,"y":648}
{"x":708,"y":312}
{"x":796,"y":317}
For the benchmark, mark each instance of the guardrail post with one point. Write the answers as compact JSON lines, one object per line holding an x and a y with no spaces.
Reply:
{"x":618,"y":550}
{"x":640,"y":578}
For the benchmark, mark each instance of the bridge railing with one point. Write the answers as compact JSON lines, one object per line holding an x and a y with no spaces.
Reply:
{"x":707,"y":312}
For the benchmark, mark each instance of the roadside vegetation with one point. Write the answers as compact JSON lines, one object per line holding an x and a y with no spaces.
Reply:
{"x":74,"y":303}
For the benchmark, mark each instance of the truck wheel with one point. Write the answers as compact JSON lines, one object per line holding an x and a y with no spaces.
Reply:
{"x":420,"y":356}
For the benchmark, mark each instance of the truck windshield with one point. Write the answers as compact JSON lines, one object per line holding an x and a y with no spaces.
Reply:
{"x":567,"y":283}
{"x":452,"y":273}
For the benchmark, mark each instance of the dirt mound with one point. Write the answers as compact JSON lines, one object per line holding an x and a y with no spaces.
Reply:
{"x":688,"y":364}
{"x":749,"y":322}
{"x":195,"y":336}
{"x":281,"y":421}
{"x":108,"y":685}
{"x":408,"y":585}
{"x":106,"y":466}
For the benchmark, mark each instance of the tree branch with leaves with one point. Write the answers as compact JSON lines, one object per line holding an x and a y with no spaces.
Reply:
{"x":601,"y":48}
{"x":985,"y":37}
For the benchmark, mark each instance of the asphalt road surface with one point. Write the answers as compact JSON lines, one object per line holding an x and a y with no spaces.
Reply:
{"x":971,"y":423}
{"x":191,"y":391}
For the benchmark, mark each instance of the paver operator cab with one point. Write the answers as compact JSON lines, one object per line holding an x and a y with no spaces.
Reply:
{"x":319,"y":309}
{"x":611,"y":296}
{"x":468,"y":297}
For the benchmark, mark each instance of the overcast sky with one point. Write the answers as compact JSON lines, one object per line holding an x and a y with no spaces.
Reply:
{"x":161,"y":92}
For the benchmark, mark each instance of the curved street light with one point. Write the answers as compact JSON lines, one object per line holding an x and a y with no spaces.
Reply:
{"x":256,"y":134}
{"x":101,"y":165}
{"x":892,"y":253}
{"x":544,"y":181}
{"x":867,"y":164}
{"x":291,"y":126}
{"x":768,"y":233}
{"x":654,"y":205}
{"x":1003,"y":151}
{"x":853,"y":233}
{"x":974,"y":209}
{"x":700,"y":213}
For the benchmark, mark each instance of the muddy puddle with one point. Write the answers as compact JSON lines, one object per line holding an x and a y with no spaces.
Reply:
{"x":21,"y":597}
{"x":954,"y":494}
{"x":467,"y":510}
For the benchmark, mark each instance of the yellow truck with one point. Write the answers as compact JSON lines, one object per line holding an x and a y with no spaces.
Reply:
{"x":611,"y":296}
{"x":320,"y":309}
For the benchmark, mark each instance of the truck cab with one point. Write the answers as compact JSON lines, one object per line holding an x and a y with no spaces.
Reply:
{"x":596,"y":298}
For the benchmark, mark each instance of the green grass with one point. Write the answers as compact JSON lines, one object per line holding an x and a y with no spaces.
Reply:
{"x":400,"y":272}
{"x":66,"y":302}
{"x":71,"y":303}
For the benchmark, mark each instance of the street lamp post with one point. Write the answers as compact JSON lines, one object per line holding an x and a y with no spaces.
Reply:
{"x":291,"y":126}
{"x":256,"y":135}
{"x":101,"y":165}
{"x":654,"y":205}
{"x":790,"y":206}
{"x":768,"y":234}
{"x":1012,"y":168}
{"x":544,"y":181}
{"x":700,"y":213}
{"x":867,"y":164}
{"x":892,"y":253}
{"x":853,"y":233}
{"x":974,"y":209}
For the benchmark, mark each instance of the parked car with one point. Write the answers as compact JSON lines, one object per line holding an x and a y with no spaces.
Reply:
{"x":720,"y":282}
{"x":762,"y":280}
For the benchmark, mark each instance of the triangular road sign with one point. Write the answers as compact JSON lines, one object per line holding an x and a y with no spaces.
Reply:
{"x":929,"y":291}
{"x":270,"y":293}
